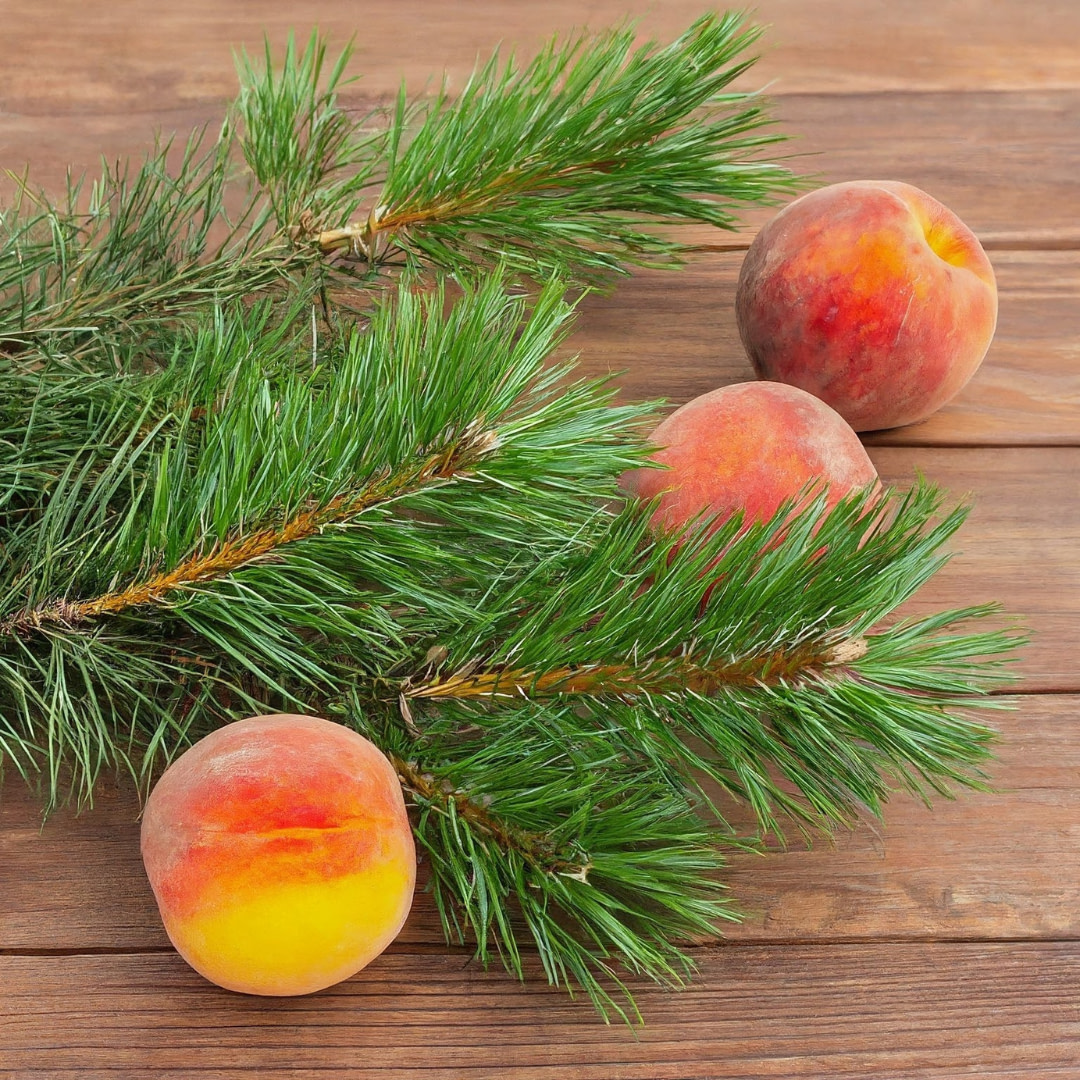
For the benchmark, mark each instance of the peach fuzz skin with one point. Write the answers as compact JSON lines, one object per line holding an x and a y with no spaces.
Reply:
{"x":870,"y":295}
{"x":749,"y":447}
{"x":280,"y":854}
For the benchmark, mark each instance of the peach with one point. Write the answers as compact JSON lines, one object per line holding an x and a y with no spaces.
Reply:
{"x":280,"y":854}
{"x":749,"y":447}
{"x":870,"y":295}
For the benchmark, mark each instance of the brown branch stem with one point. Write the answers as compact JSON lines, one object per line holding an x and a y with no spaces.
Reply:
{"x":533,"y":847}
{"x":361,"y":239}
{"x":628,"y":680}
{"x":450,"y":462}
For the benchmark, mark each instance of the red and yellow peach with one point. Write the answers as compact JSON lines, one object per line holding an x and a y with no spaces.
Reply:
{"x":749,"y":447}
{"x":870,"y":295}
{"x":280,"y":854}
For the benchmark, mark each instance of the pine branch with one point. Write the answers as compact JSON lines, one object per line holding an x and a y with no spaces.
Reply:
{"x":225,"y":490}
{"x":753,"y":643}
{"x":313,"y":159}
{"x":603,"y":859}
{"x":534,"y":848}
{"x":742,"y":655}
{"x":565,"y":163}
{"x":562,"y":167}
{"x":452,"y":462}
{"x":295,"y":527}
{"x":139,"y":247}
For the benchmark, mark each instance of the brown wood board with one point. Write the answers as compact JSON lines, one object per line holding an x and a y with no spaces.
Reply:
{"x":931,"y":1012}
{"x":674,"y":334}
{"x":948,"y":144}
{"x":120,"y":55}
{"x":1019,"y":545}
{"x":137,"y":69}
{"x":991,"y":866}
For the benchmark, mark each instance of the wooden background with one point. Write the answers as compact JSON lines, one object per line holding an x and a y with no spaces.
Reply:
{"x":939,"y":945}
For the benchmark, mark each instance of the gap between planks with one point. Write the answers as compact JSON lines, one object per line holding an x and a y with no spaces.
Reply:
{"x":416,"y":948}
{"x":989,"y":241}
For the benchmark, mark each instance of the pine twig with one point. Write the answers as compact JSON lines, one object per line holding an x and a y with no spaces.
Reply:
{"x":806,"y":662}
{"x":567,"y":160}
{"x":536,"y":849}
{"x":596,"y":852}
{"x":448,"y":464}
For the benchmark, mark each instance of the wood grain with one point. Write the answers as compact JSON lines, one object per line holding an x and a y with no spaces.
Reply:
{"x":131,"y":77}
{"x":916,"y":1011}
{"x":982,"y":154}
{"x":1018,"y":547}
{"x":674,"y":335}
{"x":1003,"y":162}
{"x":994,"y":866}
{"x":111,"y":51}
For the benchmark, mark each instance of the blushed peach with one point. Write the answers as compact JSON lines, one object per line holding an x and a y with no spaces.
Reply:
{"x":870,"y":295}
{"x":749,"y":447}
{"x":280,"y":854}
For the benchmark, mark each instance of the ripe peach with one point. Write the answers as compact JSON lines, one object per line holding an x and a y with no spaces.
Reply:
{"x":749,"y":447}
{"x":870,"y":295}
{"x":280,"y":854}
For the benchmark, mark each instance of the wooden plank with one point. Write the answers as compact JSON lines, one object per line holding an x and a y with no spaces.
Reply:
{"x":132,"y":68}
{"x":114,"y":52}
{"x":674,"y":335}
{"x":75,"y":881}
{"x":975,"y":152}
{"x":990,"y":866}
{"x":861,"y":45}
{"x":1004,"y":162}
{"x":1000,"y":865}
{"x":1018,"y":547}
{"x":917,"y":1011}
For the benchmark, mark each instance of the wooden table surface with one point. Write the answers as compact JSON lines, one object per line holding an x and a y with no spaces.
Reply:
{"x":942,"y":944}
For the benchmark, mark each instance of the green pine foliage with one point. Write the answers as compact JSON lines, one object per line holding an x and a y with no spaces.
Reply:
{"x":282,"y":428}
